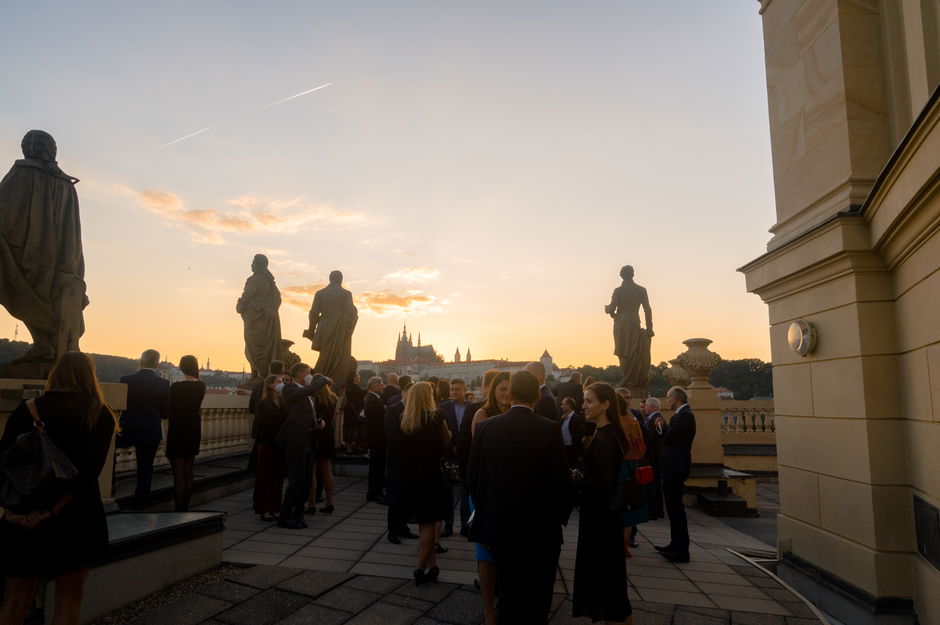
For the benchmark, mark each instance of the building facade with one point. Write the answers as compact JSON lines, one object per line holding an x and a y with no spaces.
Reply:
{"x":850,"y":278}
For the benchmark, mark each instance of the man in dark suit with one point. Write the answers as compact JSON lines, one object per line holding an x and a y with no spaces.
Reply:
{"x":455,"y":413}
{"x":676,"y":465}
{"x":522,"y":489}
{"x":654,"y":428}
{"x":546,"y":405}
{"x":296,"y":439}
{"x":375,"y":436}
{"x":573,"y":430}
{"x":573,"y":389}
{"x":148,"y":402}
{"x":396,"y":525}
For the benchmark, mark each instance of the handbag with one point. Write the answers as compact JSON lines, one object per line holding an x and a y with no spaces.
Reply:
{"x":452,"y":472}
{"x":644,"y":475}
{"x":33,"y":470}
{"x":628,"y":495}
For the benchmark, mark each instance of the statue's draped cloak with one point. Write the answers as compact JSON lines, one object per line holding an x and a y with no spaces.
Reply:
{"x":258,"y":307}
{"x":42,"y":268}
{"x":631,"y":342}
{"x":333,"y":318}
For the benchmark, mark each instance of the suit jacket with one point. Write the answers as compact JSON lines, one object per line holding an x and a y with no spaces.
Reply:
{"x":298,"y":427}
{"x":148,"y":401}
{"x":393,"y":434}
{"x":449,"y":410}
{"x":573,"y":390}
{"x":577,"y":427}
{"x":465,"y":435}
{"x":547,"y":407}
{"x":519,"y":479}
{"x":389,"y":392}
{"x":375,"y":422}
{"x":677,"y":443}
{"x":653,"y":440}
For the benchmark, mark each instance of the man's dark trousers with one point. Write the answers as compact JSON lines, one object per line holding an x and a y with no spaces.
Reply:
{"x":146,"y":453}
{"x":525,"y":582}
{"x":297,"y":461}
{"x":673,"y":486}
{"x":376,"y":471}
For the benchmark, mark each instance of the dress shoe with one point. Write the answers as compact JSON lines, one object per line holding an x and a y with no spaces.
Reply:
{"x":432,"y":574}
{"x":394,"y":539}
{"x":327,"y":509}
{"x":290,"y":524}
{"x":664,"y":548}
{"x":439,"y":548}
{"x":420,"y":576}
{"x":447,"y":532}
{"x":312,"y":510}
{"x":634,"y":543}
{"x":676,"y":556}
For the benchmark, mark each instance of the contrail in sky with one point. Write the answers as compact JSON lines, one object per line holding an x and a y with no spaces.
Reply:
{"x":257,"y":110}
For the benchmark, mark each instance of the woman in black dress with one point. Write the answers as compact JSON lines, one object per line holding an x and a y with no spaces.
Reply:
{"x":184,"y":432}
{"x":600,"y":570}
{"x":269,"y":477}
{"x":324,"y":449}
{"x":425,"y":491}
{"x":64,"y":540}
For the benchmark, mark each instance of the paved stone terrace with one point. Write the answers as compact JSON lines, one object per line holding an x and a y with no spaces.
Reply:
{"x":342,"y":569}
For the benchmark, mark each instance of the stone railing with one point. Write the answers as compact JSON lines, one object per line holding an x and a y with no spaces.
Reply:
{"x":751,"y":416}
{"x":226,"y":429}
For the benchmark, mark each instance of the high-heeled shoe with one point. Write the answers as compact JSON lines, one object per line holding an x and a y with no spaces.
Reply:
{"x":420,"y":577}
{"x":432,"y":574}
{"x":268,"y":517}
{"x":327,"y":509}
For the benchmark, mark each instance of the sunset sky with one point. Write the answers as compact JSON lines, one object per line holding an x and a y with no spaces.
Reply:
{"x":481,"y":170}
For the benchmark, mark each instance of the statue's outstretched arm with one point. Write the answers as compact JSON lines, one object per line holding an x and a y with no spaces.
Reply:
{"x":648,"y":312}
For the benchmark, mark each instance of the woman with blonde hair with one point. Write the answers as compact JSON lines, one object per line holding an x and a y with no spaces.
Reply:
{"x":324,"y":449}
{"x":62,"y":539}
{"x":426,"y":493}
{"x":588,"y":381}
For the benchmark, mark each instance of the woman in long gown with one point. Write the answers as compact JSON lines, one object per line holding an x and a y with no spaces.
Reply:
{"x":600,"y":573}
{"x":269,"y":478}
{"x":324,"y":450}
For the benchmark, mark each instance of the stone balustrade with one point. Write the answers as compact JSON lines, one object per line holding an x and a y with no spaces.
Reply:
{"x":226,"y":429}
{"x":752,"y":416}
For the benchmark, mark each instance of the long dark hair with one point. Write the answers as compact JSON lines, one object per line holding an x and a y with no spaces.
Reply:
{"x":75,"y":373}
{"x":266,"y":393}
{"x":190,"y":366}
{"x":491,"y":407}
{"x":605,"y":392}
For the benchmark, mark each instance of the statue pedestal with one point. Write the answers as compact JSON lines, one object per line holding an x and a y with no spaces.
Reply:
{"x":37,"y":370}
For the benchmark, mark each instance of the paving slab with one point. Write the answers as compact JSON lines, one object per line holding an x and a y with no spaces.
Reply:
{"x":312,"y":613}
{"x":460,"y":608}
{"x":187,"y":610}
{"x":314,"y":583}
{"x":382,"y":613}
{"x":265,"y":576}
{"x":348,"y":599}
{"x":265,"y":608}
{"x":228,"y":591}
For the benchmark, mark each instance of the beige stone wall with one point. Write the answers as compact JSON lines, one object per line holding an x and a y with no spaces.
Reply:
{"x":858,"y":420}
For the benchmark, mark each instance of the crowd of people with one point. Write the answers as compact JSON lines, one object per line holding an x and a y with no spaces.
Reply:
{"x":513,"y":465}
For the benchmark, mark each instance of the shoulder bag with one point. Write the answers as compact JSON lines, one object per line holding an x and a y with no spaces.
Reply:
{"x":33,"y":470}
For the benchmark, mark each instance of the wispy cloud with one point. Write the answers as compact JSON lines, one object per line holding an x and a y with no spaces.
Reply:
{"x":413,"y":274}
{"x":386,"y":303}
{"x":242,"y":214}
{"x":300,"y":296}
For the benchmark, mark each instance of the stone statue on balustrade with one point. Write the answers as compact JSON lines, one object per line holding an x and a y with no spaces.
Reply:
{"x":42,"y":268}
{"x":631,"y":342}
{"x":333,"y":318}
{"x":258,"y":307}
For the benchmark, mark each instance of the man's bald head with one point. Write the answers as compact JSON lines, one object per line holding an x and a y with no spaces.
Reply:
{"x":538,"y":370}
